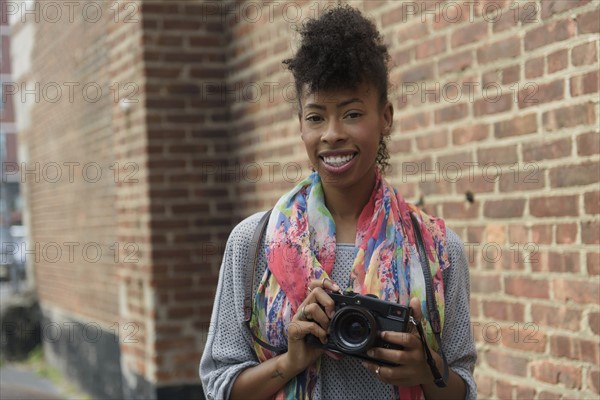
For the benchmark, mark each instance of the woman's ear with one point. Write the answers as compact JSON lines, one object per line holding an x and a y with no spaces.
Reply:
{"x":388,"y":118}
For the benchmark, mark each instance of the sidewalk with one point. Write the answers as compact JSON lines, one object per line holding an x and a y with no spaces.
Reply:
{"x":20,"y":384}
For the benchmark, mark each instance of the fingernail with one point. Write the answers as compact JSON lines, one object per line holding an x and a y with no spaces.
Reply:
{"x":336,"y":287}
{"x":370,"y":353}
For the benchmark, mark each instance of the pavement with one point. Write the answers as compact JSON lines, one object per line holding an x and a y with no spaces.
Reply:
{"x":20,"y":384}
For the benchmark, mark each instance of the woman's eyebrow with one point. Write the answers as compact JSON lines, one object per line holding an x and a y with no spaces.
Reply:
{"x":339,"y":105}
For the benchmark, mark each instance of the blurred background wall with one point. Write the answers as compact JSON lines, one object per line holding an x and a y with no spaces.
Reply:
{"x":147,"y":130}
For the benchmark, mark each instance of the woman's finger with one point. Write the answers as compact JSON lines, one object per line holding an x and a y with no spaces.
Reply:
{"x":323,"y":283}
{"x":297,"y":330}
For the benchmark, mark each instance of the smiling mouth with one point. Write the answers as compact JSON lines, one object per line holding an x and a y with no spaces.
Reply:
{"x":338,"y":161}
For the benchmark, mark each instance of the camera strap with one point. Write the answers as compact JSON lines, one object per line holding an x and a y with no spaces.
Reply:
{"x":248,"y":294}
{"x":432,"y":310}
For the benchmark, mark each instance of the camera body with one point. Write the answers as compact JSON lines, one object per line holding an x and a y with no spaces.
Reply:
{"x":358,"y":319}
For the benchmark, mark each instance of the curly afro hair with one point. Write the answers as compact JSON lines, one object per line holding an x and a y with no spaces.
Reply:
{"x":341,"y":50}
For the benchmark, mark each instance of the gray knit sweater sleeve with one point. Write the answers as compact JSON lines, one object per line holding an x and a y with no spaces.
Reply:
{"x":229,"y":349}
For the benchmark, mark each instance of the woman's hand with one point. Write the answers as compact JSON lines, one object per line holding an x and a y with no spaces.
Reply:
{"x":412,"y":368}
{"x":312,"y":317}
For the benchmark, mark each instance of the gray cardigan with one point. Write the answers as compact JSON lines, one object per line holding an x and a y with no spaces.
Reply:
{"x":229,"y":348}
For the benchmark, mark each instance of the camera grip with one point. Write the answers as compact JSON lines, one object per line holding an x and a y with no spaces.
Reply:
{"x":313,"y":340}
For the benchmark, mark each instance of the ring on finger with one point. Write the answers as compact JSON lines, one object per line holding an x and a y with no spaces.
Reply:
{"x":323,"y":281}
{"x":377,"y":369}
{"x":301,"y":313}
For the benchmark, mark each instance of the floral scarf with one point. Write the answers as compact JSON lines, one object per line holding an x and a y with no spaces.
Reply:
{"x":300,"y":246}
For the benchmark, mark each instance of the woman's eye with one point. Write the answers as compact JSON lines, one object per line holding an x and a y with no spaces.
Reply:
{"x":353,"y":115}
{"x":313,"y":118}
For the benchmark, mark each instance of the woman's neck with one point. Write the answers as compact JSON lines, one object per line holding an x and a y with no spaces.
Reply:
{"x":346,"y":204}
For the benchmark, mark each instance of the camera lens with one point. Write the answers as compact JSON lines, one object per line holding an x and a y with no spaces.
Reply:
{"x":353,"y":329}
{"x":356,"y":330}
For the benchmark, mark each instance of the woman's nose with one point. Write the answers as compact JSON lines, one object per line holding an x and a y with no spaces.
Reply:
{"x":333,"y":133}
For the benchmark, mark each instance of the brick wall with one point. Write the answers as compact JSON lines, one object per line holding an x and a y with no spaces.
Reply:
{"x":496,"y":115}
{"x":497,"y":103}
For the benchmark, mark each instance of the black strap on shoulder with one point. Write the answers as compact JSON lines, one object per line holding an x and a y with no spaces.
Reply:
{"x":432,"y":310}
{"x":249,"y":292}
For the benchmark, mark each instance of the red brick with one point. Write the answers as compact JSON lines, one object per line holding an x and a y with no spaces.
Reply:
{"x":505,"y":48}
{"x":570,"y":116}
{"x":518,"y":179}
{"x":518,"y":234}
{"x":433,"y":140}
{"x":584,"y":54}
{"x":506,"y":363}
{"x":534,"y":68}
{"x":373,"y":4}
{"x":476,"y":183}
{"x":504,"y":208}
{"x":566,"y":233}
{"x":524,"y":337}
{"x":575,"y":348}
{"x":553,"y":7}
{"x":497,"y":156}
{"x":493,"y":103}
{"x":558,"y":60}
{"x":460,"y":210}
{"x":394,"y":16}
{"x":504,"y":390}
{"x":473,"y":32}
{"x":534,"y":94}
{"x":593,"y":263}
{"x":588,"y":144}
{"x":415,"y":30}
{"x":470,"y":133}
{"x":511,"y":74}
{"x":558,"y":206}
{"x":590,"y":232}
{"x":450,"y":14}
{"x":455,"y":62}
{"x":525,"y":392}
{"x":594,"y":322}
{"x":520,"y":125}
{"x":527,"y":287}
{"x":584,"y":84}
{"x":485,"y":385}
{"x":417,"y":73}
{"x":555,"y":262}
{"x":415,"y":121}
{"x":567,"y":375}
{"x":589,"y":22}
{"x":556,"y":31}
{"x":504,"y":20}
{"x":594,"y":380}
{"x":575,"y":175}
{"x":562,"y":317}
{"x":430,"y":47}
{"x":503,"y":310}
{"x":592,"y":203}
{"x":547,"y":150}
{"x":582,"y":292}
{"x":481,"y":283}
{"x":546,"y":395}
{"x":451,"y":113}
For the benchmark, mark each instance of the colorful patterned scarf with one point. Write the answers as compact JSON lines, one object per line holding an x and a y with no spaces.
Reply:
{"x":300,"y":246}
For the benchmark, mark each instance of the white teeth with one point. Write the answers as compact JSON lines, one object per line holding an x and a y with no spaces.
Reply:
{"x":338,"y":161}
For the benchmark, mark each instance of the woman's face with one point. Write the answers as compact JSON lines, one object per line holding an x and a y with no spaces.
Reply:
{"x":341,"y":130}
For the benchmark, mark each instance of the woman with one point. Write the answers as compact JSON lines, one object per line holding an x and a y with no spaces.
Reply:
{"x":343,"y":227}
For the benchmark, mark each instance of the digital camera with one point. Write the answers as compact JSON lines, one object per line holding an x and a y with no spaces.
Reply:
{"x":355,"y":326}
